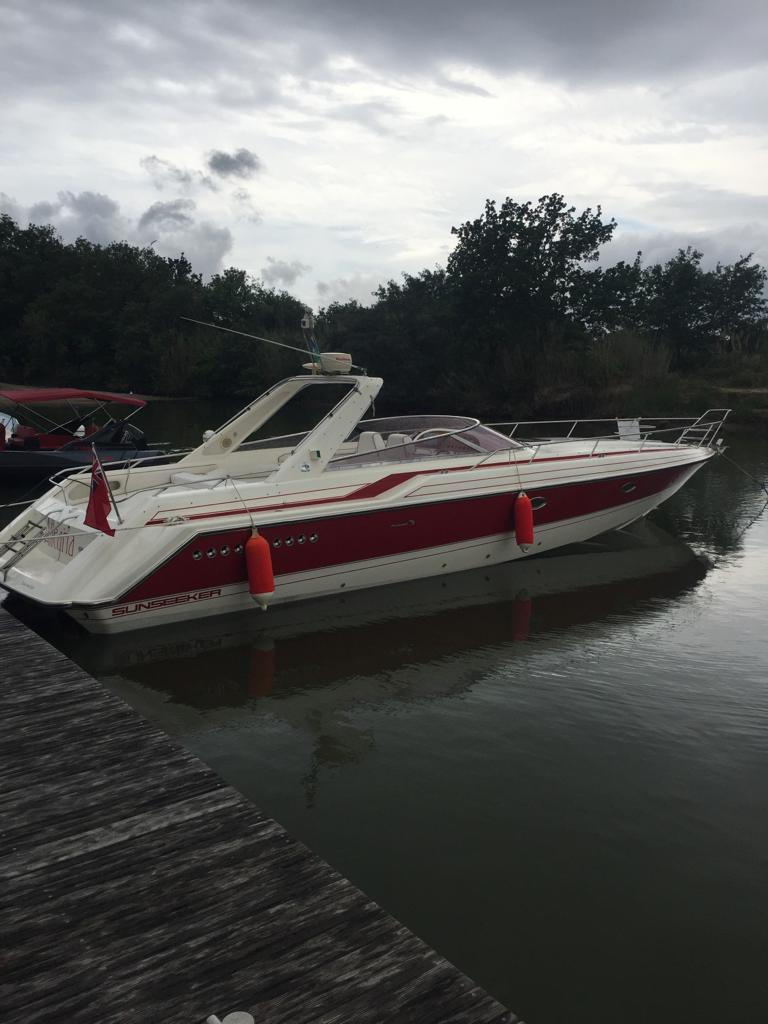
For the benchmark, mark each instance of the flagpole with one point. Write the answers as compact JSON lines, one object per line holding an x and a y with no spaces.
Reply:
{"x":106,"y":481}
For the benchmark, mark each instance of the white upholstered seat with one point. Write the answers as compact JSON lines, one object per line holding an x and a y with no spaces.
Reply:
{"x":397,"y":439}
{"x":369,"y":441}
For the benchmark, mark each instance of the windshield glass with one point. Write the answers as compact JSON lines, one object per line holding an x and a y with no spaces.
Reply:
{"x":300,"y":414}
{"x":410,"y":438}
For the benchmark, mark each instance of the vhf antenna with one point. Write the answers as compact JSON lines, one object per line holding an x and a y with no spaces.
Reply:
{"x":331,"y":363}
{"x":308,"y":333}
{"x":313,"y":353}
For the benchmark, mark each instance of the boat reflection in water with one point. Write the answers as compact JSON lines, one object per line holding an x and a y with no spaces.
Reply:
{"x":307,"y":664}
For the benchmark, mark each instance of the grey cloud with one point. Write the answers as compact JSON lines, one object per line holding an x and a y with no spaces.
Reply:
{"x":245,"y":206}
{"x":461,"y":86}
{"x":737,"y":101}
{"x":171,"y":227}
{"x":90,"y":215}
{"x":163,"y":172}
{"x":43,"y":212}
{"x":243,"y":163}
{"x":357,"y":287}
{"x":693,"y":200}
{"x":204,"y":244}
{"x":174,"y":55}
{"x":589,"y":40}
{"x":173,"y":214}
{"x":10,"y":207}
{"x":378,"y":115}
{"x":723,"y":245}
{"x":282,"y":272}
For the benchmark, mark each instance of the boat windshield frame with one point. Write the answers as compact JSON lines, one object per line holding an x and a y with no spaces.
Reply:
{"x":452,"y":437}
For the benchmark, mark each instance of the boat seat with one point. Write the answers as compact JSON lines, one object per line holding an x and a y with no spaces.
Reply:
{"x":397,"y":439}
{"x":629,"y":429}
{"x":370,"y":441}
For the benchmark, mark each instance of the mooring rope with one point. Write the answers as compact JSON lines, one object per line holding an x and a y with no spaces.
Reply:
{"x":760,"y":483}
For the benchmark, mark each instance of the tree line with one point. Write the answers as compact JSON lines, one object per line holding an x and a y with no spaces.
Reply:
{"x":521,"y":319}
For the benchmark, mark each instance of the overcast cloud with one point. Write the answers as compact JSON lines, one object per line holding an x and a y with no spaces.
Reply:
{"x":280,"y":272}
{"x":334,"y":146}
{"x":169,"y":227}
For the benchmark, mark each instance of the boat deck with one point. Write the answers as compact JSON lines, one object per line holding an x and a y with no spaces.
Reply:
{"x":138,"y":886}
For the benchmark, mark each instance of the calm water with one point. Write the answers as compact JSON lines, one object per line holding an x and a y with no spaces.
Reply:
{"x":556,"y":773}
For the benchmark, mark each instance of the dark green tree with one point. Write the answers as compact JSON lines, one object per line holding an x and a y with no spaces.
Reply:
{"x":517,"y":265}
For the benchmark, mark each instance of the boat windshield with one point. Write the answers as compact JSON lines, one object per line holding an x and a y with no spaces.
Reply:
{"x":410,"y":438}
{"x":300,"y":414}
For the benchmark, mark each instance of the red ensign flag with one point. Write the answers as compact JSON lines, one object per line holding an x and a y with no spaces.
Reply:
{"x":99,"y":505}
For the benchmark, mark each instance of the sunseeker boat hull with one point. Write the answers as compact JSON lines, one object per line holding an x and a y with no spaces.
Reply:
{"x":346,"y":506}
{"x":334,"y":553}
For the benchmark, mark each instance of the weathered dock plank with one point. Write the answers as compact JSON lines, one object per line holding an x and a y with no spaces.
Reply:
{"x":138,"y":886}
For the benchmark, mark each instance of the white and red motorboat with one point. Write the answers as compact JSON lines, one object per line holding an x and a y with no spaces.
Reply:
{"x":347,"y":503}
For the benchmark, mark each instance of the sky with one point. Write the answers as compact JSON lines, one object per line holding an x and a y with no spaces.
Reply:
{"x":328,"y":147}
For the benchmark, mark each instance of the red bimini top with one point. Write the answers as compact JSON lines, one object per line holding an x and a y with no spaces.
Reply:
{"x":61,"y":396}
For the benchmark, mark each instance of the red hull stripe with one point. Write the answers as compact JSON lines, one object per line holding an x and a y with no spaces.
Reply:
{"x":373,"y":489}
{"x":320,"y":542}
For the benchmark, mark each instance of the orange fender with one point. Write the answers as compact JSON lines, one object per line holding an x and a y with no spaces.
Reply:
{"x":523,"y":520}
{"x":258,"y":561}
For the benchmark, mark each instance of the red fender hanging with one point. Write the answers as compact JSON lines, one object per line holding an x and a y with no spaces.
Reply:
{"x":258,"y":560}
{"x":523,"y":521}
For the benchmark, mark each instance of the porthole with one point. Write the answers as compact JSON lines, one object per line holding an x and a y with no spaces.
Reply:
{"x":224,"y":550}
{"x":537,"y":503}
{"x":276,"y":543}
{"x":629,"y":487}
{"x":197,"y":555}
{"x":238,"y":549}
{"x":313,"y":538}
{"x":289,"y":542}
{"x":211,"y":552}
{"x":301,"y":539}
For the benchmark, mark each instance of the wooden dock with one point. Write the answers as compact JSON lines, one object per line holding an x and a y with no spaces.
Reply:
{"x":138,"y":887}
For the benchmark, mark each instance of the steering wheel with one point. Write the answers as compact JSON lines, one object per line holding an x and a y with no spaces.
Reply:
{"x":431,"y":432}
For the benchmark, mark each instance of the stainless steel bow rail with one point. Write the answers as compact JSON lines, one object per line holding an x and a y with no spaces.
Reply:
{"x":701,"y":431}
{"x":135,"y":885}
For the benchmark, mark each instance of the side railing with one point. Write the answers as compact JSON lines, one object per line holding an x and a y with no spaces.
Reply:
{"x":700,"y":432}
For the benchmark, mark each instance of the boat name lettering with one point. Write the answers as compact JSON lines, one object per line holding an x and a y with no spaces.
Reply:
{"x":164,"y":602}
{"x":57,"y":537}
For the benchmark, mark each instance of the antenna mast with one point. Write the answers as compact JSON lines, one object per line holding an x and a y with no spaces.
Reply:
{"x":330,"y":363}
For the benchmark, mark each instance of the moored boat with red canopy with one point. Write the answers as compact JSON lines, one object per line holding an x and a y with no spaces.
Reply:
{"x":344,"y":504}
{"x":44,"y":430}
